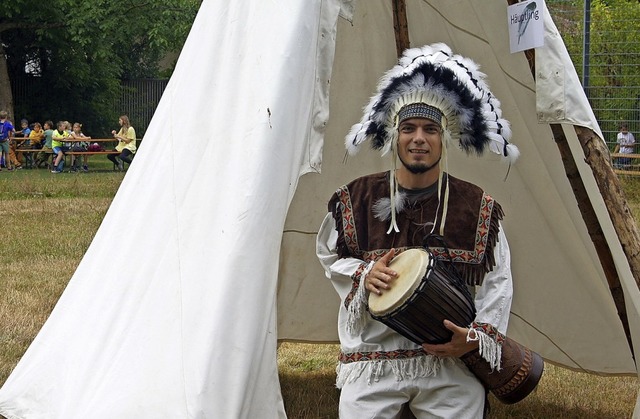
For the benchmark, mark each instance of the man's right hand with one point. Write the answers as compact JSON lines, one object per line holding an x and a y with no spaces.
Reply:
{"x":380,"y":276}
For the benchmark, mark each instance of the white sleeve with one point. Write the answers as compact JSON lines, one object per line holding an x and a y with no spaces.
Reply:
{"x":493,"y":305}
{"x":345,"y":275}
{"x":326,"y":250}
{"x":494,"y":296}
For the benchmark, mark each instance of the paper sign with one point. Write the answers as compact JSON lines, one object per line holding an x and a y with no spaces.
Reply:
{"x":526,"y":25}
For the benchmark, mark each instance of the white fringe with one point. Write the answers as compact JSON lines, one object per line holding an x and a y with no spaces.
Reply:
{"x":403,"y":369}
{"x":357,"y":310}
{"x":489,"y":348}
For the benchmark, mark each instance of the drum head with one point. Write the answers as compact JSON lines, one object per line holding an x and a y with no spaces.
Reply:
{"x":411,"y":266}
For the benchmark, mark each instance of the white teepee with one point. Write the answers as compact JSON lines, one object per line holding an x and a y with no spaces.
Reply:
{"x":189,"y":330}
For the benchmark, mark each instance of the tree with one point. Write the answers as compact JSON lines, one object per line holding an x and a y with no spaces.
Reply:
{"x":76,"y":52}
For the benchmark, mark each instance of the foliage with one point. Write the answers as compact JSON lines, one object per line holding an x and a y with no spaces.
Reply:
{"x":614,"y":41}
{"x":76,"y":52}
{"x":614,"y":49}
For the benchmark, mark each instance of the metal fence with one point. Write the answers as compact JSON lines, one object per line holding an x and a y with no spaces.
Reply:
{"x":605,"y":53}
{"x":603,"y":40}
{"x":139,"y":99}
{"x":606,"y":58}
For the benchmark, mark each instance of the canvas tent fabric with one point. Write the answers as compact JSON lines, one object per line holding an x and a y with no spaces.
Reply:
{"x":562,"y":306}
{"x":188,"y":330}
{"x":226,"y":236}
{"x":560,"y":289}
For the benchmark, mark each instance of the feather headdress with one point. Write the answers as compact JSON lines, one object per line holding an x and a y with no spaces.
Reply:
{"x":453,"y":84}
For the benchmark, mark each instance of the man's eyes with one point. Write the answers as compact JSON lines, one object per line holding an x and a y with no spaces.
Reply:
{"x":428,"y":130}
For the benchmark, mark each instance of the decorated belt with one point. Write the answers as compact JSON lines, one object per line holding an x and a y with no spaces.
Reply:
{"x":346,"y":358}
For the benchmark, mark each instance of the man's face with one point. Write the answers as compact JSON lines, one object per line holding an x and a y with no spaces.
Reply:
{"x":419,"y":144}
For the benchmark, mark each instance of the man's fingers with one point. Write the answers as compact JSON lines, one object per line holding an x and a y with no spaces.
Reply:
{"x":388,"y":256}
{"x":454,"y":327}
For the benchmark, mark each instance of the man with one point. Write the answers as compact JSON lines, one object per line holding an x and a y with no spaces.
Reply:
{"x":6,"y":132}
{"x":429,"y":99}
{"x":625,"y":144}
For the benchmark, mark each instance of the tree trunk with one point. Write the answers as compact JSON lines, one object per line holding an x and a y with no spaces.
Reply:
{"x":6,"y":94}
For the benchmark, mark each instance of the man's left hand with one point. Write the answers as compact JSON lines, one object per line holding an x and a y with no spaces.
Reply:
{"x":456,"y":347}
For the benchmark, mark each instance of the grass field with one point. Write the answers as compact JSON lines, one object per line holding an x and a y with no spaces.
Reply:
{"x":36,"y":261}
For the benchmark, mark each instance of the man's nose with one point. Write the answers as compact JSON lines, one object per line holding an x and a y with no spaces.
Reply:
{"x":421,"y":135}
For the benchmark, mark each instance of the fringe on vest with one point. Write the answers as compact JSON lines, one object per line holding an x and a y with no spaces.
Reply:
{"x":473,"y":274}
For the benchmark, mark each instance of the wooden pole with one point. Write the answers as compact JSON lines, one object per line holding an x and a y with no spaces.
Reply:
{"x":597,"y":156}
{"x":400,"y":26}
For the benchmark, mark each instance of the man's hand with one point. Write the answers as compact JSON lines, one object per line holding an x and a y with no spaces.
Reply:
{"x":380,"y":275}
{"x":458,"y":345}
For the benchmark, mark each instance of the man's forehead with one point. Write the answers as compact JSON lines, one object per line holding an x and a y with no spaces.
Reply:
{"x":419,"y":121}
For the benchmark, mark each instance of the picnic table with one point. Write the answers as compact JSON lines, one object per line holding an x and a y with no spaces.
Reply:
{"x":632,"y":169}
{"x":107,"y":148}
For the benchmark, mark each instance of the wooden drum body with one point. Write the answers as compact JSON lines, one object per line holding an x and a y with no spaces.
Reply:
{"x":423,"y":295}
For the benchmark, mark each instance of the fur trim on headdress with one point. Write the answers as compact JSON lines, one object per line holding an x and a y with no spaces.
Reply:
{"x":454,"y":84}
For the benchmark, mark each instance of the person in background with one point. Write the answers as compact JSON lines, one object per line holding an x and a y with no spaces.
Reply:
{"x":625,"y":145}
{"x":36,"y":136}
{"x":76,"y":134}
{"x":126,"y":146}
{"x":14,"y":154}
{"x":24,"y":129}
{"x":19,"y":144}
{"x":43,"y":154}
{"x":6,"y":135}
{"x":59,"y":149}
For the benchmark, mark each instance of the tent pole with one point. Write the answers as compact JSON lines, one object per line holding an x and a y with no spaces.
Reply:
{"x":597,"y":156}
{"x":400,"y":26}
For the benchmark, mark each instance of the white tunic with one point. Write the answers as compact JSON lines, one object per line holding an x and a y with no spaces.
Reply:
{"x":367,"y":345}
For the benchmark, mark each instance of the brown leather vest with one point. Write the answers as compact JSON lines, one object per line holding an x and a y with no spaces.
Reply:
{"x":470,"y":233}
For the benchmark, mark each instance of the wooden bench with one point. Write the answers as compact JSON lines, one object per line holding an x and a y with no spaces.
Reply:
{"x":632,"y":169}
{"x":78,"y":153}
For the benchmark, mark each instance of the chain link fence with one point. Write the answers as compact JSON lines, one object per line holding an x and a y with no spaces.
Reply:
{"x":139,"y":99}
{"x":603,"y":40}
{"x":605,"y":52}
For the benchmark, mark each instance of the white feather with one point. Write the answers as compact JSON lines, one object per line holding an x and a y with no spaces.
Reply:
{"x":382,"y":207}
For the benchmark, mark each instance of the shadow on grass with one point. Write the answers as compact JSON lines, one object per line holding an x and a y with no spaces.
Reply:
{"x":310,"y":395}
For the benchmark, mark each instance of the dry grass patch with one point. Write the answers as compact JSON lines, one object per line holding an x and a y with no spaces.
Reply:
{"x":48,"y":222}
{"x":307,"y":379}
{"x":48,"y":238}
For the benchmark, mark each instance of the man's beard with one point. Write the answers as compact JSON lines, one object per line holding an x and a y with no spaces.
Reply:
{"x":419,"y":168}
